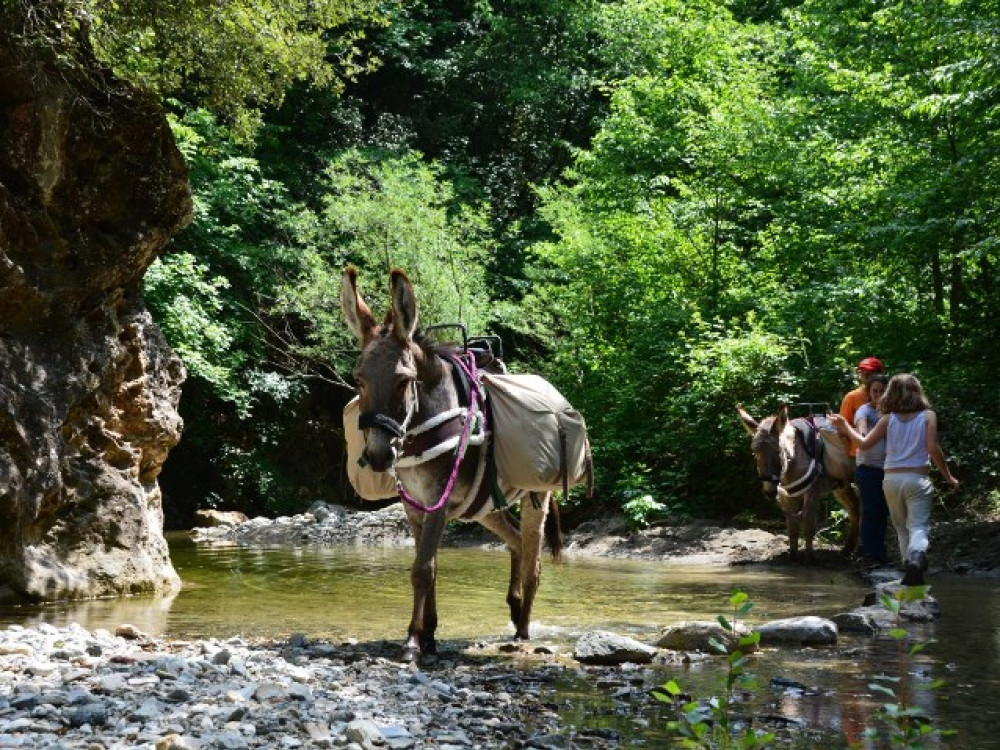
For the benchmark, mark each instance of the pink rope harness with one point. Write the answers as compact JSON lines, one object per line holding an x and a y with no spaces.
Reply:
{"x":466,"y":362}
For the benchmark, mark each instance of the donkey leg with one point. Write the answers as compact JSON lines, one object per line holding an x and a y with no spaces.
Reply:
{"x":792,"y":524}
{"x":848,"y":498}
{"x":810,"y":520}
{"x":504,"y":526}
{"x":533,"y":512}
{"x":427,"y":534}
{"x":793,"y":519}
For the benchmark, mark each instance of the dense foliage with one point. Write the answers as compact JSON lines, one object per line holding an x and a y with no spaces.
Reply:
{"x":666,"y":206}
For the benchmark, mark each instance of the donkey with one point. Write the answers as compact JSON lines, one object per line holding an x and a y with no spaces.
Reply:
{"x":799,"y":462}
{"x":422,"y":413}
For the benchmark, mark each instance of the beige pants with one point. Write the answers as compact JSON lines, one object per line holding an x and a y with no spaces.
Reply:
{"x":909,"y":497}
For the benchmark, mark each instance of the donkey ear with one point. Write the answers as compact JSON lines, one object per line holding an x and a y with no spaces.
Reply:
{"x":782,"y":420}
{"x":357,"y":314}
{"x":404,"y":306}
{"x":748,"y":422}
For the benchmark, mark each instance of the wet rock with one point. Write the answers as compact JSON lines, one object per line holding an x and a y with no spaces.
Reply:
{"x":129,"y":631}
{"x":923,"y":609}
{"x":697,"y":635}
{"x":209,"y":518}
{"x":801,"y":631}
{"x":602,"y":647}
{"x":858,"y":622}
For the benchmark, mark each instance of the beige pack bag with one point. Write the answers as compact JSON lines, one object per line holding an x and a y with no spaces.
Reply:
{"x":531,"y":421}
{"x":370,"y":485}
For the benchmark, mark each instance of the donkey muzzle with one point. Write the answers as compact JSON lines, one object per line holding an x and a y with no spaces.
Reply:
{"x":370,"y":419}
{"x":382,"y":448}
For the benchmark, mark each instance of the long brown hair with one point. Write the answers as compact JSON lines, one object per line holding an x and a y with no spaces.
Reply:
{"x":903,"y":395}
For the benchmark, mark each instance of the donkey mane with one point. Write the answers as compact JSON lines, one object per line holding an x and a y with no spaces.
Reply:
{"x":429,"y":347}
{"x":787,"y":443}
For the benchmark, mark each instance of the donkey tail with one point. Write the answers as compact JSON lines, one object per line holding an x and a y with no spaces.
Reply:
{"x":553,"y":529}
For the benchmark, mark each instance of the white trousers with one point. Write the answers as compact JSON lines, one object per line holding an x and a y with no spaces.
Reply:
{"x":910,"y":498}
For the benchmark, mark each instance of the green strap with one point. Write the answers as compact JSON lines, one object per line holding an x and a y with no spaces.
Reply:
{"x":499,"y":501}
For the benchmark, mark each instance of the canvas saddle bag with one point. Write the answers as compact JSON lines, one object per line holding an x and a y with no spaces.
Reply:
{"x":369,"y":484}
{"x":540,"y":440}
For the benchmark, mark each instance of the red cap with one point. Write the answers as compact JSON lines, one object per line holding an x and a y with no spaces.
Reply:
{"x":871,"y":364}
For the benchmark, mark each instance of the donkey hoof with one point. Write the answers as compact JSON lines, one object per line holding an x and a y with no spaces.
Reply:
{"x":411,"y":653}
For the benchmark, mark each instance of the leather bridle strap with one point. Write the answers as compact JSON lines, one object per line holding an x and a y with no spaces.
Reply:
{"x":371,"y":419}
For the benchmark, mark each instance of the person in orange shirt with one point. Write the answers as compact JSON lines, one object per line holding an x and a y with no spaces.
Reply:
{"x":855,"y":399}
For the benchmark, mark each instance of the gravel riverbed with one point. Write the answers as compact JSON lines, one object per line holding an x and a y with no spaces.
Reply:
{"x":71,"y":688}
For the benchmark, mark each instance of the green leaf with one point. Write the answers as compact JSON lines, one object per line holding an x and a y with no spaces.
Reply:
{"x":881,"y":689}
{"x":915,"y":593}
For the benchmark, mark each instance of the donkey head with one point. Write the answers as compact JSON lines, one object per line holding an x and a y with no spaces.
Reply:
{"x":391,"y":367}
{"x":765,"y":445}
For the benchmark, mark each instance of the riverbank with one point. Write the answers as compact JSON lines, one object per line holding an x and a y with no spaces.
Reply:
{"x":961,"y":546}
{"x":696,"y":543}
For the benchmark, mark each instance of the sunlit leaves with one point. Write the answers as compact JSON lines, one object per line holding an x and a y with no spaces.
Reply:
{"x":233,"y":57}
{"x":382,"y":212}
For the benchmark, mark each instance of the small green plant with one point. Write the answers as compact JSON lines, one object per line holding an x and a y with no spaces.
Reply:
{"x":910,"y":727}
{"x":636,"y":493}
{"x":710,"y":724}
{"x":641,"y":511}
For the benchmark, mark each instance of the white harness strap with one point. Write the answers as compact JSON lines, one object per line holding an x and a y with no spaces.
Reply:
{"x":477,"y":436}
{"x":801,"y":485}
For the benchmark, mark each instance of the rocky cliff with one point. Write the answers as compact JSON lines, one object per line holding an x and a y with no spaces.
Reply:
{"x":91,"y":189}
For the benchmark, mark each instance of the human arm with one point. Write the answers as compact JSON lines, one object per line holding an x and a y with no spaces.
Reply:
{"x":935,"y":452}
{"x":862,"y":422}
{"x":862,"y":441}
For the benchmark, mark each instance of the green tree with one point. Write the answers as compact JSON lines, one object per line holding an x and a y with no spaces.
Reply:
{"x":383,"y":211}
{"x":657,"y":265}
{"x":232,"y":58}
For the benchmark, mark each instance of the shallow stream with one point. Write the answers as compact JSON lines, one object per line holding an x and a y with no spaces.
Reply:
{"x":364,"y":594}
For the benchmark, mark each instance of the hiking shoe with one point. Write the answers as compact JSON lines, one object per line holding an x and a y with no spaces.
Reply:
{"x":916,"y":564}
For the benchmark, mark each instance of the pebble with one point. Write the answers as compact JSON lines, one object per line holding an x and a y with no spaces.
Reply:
{"x":71,"y":689}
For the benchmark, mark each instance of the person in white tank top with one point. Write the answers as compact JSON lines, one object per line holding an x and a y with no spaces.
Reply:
{"x":909,"y":427}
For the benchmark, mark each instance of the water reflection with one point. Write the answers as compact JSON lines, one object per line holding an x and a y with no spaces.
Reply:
{"x":365,"y":594}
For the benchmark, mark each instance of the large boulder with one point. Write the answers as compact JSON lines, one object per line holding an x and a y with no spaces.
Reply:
{"x":91,"y":188}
